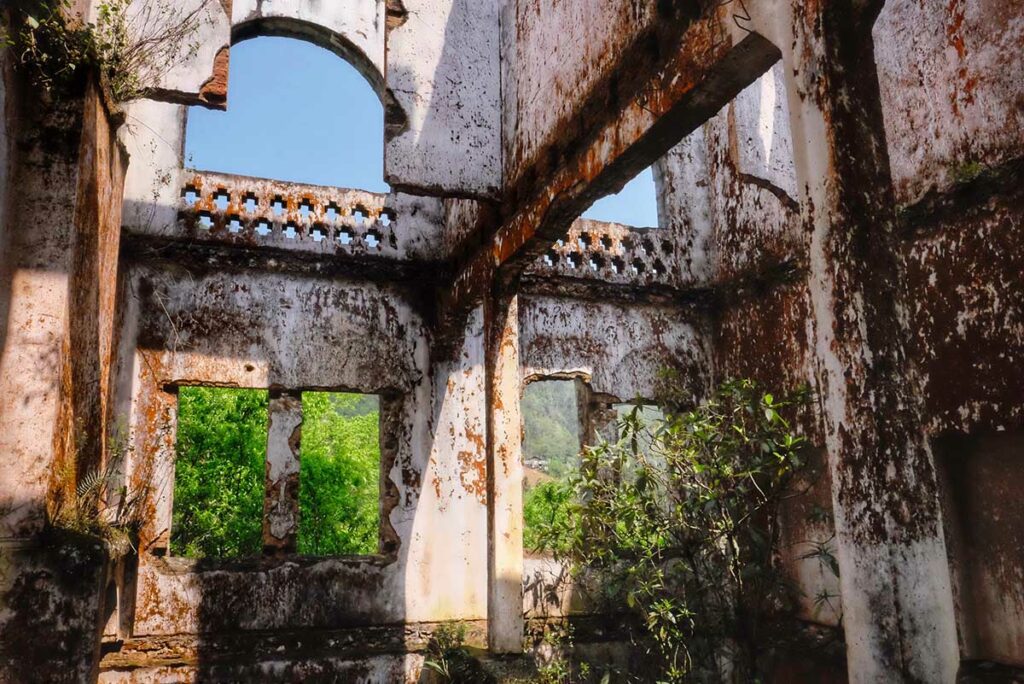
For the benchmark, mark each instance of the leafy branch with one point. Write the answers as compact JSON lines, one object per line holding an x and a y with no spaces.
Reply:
{"x":677,"y":524}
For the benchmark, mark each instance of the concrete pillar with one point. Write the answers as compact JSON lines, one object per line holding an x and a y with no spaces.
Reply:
{"x":58,"y":277}
{"x":505,"y":478}
{"x":281,"y":500}
{"x":897,"y":599}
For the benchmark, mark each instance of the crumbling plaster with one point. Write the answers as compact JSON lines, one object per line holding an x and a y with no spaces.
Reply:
{"x":786,"y":261}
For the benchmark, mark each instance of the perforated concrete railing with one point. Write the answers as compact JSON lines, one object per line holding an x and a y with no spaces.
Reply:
{"x":310,"y":218}
{"x":609,"y":252}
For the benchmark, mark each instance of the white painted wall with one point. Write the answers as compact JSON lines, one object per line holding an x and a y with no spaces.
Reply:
{"x":443,"y":69}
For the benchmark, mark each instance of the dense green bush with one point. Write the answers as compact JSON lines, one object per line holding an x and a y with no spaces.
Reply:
{"x":676,"y":523}
{"x":219,"y":473}
{"x":339,"y":482}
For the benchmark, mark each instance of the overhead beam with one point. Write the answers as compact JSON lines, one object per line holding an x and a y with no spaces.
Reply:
{"x":700,"y":69}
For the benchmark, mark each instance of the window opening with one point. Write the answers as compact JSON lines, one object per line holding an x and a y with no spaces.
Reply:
{"x":219,"y":472}
{"x":552,"y":438}
{"x":264,"y":134}
{"x":635,"y":205}
{"x":340,"y":474}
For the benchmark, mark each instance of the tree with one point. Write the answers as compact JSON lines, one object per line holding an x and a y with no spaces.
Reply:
{"x":339,"y":479}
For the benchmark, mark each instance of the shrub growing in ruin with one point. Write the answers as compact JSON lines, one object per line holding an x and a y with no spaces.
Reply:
{"x":679,"y":520}
{"x":100,"y":504}
{"x":130,"y":44}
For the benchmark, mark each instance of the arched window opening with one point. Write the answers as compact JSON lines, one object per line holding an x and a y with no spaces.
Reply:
{"x":635,"y":205}
{"x":296,"y":112}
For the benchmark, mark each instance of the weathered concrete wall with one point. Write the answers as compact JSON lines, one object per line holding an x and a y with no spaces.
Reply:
{"x":556,"y":55}
{"x":725,"y":191}
{"x":51,"y":608}
{"x":956,"y":257}
{"x":294,"y":332}
{"x":354,"y":30}
{"x":351,"y":667}
{"x":981,"y":481}
{"x":7,"y":131}
{"x":58,"y":279}
{"x":619,"y":349}
{"x":952,"y":95}
{"x":966,"y":311}
{"x":58,"y":283}
{"x":189,"y":47}
{"x":450,"y":141}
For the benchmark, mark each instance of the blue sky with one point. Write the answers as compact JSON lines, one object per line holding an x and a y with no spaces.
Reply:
{"x":297,"y":112}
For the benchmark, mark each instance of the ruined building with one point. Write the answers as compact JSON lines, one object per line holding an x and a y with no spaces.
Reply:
{"x":840,"y":202}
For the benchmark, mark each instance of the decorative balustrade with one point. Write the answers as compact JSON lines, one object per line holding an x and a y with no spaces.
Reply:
{"x":257,"y":212}
{"x":609,"y":252}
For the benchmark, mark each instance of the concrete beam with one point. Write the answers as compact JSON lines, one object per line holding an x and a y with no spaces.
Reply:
{"x":699,"y":69}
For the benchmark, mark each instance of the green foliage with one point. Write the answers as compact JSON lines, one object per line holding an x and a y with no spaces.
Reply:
{"x":219,"y":472}
{"x":678,"y":520}
{"x":339,"y":479}
{"x":130,"y":44}
{"x":543,"y":506}
{"x":551,"y":447}
{"x":449,"y":658}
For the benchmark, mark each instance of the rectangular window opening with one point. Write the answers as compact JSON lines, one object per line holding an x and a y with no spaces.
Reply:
{"x":221,"y":450}
{"x":340,"y":474}
{"x":552,"y":439}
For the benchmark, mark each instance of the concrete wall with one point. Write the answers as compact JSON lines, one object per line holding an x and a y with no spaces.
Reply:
{"x":450,"y":139}
{"x":741,"y":223}
{"x":205,"y":326}
{"x":952,"y":100}
{"x":556,"y":56}
{"x":58,"y":285}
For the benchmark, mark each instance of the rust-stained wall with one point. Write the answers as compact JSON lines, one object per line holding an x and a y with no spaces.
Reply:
{"x":59,"y":279}
{"x":981,"y":482}
{"x":952,"y":129}
{"x":553,"y":55}
{"x":204,"y":325}
{"x":58,"y":285}
{"x":824,"y":227}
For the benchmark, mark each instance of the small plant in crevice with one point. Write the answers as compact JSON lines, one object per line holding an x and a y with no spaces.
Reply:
{"x":554,"y":659}
{"x":101,"y":504}
{"x":131,"y":44}
{"x":675,"y":526}
{"x":448,"y":657}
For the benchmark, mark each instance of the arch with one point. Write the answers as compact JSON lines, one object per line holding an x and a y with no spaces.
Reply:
{"x":337,"y":39}
{"x":321,"y":36}
{"x":298,"y":114}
